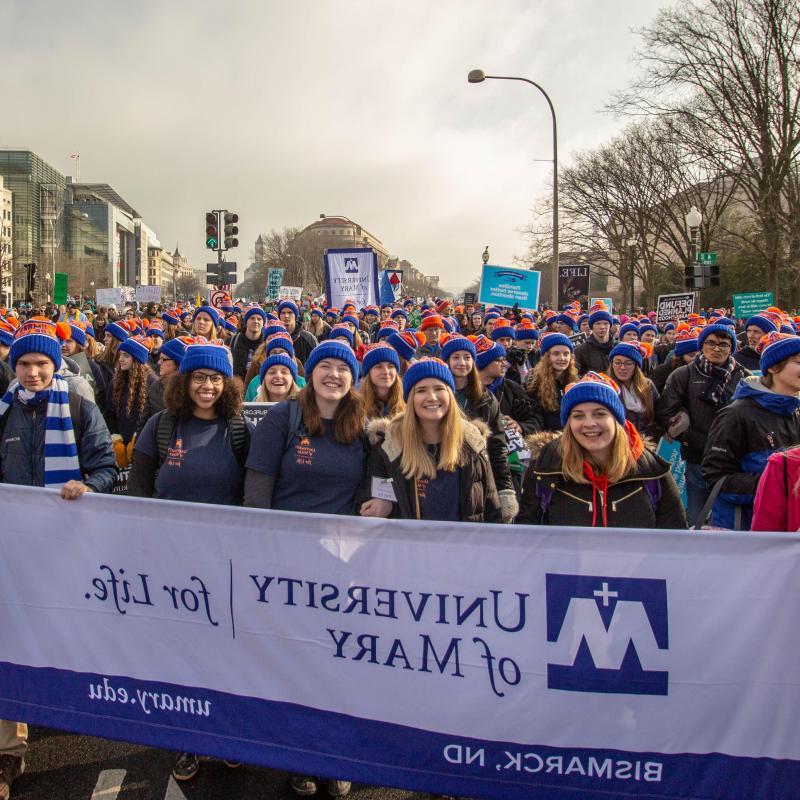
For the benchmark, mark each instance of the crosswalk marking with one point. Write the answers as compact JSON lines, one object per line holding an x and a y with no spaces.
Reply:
{"x":109,"y":784}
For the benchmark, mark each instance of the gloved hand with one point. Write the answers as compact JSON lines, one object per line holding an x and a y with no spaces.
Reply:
{"x":509,"y":507}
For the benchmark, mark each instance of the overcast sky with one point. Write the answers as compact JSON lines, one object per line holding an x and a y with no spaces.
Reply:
{"x":283,"y":110}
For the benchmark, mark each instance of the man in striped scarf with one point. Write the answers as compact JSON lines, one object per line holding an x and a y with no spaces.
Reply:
{"x":51,"y":439}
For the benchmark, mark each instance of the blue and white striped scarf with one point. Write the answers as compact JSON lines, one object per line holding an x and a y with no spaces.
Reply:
{"x":61,"y":462}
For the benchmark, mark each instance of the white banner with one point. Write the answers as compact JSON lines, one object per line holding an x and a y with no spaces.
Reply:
{"x":477,"y":660}
{"x":110,"y":297}
{"x":290,"y":293}
{"x":351,"y":274}
{"x":148,"y":294}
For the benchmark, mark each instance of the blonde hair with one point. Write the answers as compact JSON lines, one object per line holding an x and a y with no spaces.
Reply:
{"x":416,"y":461}
{"x":373,"y":405}
{"x":641,"y":387}
{"x":262,"y":395}
{"x":542,"y":382}
{"x":620,"y":464}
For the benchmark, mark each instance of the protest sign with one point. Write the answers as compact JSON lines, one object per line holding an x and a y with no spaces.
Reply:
{"x":351,"y":274}
{"x":274,"y":281}
{"x":674,"y":307}
{"x":148,"y":294}
{"x":670,"y":451}
{"x":507,"y":286}
{"x":255,"y":412}
{"x":472,"y":660}
{"x":60,"y":285}
{"x":573,"y":284}
{"x":294,"y":293}
{"x":578,"y":338}
{"x":751,"y":303}
{"x":470,"y":298}
{"x":109,"y":297}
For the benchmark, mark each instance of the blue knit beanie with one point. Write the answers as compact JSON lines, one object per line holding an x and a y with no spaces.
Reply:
{"x":501,"y":331}
{"x":331,"y":349}
{"x":627,"y":328}
{"x":647,"y":327}
{"x":549,"y":340}
{"x":593,"y":388}
{"x":117,"y":331}
{"x":174,"y":350}
{"x":291,"y":305}
{"x":35,"y":336}
{"x":399,"y":341}
{"x":456,"y":343}
{"x":566,"y":319}
{"x":685,"y":343}
{"x":170,"y":319}
{"x":6,"y":338}
{"x":211,"y":311}
{"x":777,"y":347}
{"x":279,"y":360}
{"x":252,"y":312}
{"x":136,"y":348}
{"x":766,"y":325}
{"x":378,"y":354}
{"x":316,"y":312}
{"x":427,"y":368}
{"x":207,"y":355}
{"x":487,"y":351}
{"x":342,"y":330}
{"x":283,"y":341}
{"x":627,"y":350}
{"x":720,"y":330}
{"x":398,"y":312}
{"x":272,"y":328}
{"x":527,"y":332}
{"x":77,"y":334}
{"x":352,"y":319}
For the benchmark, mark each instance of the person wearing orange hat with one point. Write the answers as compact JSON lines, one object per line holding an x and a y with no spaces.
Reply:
{"x":432,"y":327}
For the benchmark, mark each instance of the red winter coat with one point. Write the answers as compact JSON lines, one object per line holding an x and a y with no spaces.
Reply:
{"x":777,"y":503}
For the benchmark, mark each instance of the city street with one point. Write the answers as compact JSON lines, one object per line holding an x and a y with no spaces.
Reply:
{"x":61,"y":765}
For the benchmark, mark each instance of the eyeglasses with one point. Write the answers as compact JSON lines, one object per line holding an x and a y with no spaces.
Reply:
{"x":717,"y":345}
{"x":199,"y":378}
{"x":620,"y":364}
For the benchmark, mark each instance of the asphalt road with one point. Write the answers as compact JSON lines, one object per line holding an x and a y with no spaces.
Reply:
{"x":62,"y":766}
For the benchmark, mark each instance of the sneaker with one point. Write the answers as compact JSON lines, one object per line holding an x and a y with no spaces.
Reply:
{"x":186,"y":767}
{"x":11,"y":767}
{"x":303,"y":785}
{"x":336,"y":788}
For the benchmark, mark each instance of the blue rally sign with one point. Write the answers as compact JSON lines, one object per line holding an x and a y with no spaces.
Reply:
{"x":505,"y":286}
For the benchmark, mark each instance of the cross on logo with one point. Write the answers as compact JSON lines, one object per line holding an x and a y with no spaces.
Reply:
{"x":605,"y":594}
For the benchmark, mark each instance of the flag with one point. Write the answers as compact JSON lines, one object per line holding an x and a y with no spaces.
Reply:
{"x":74,"y":155}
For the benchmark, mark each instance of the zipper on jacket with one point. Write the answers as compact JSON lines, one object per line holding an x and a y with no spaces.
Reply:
{"x":619,"y":500}
{"x":579,"y":499}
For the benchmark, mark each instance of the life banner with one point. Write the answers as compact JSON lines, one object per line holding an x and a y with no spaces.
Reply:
{"x":474,"y":660}
{"x":573,"y":284}
{"x":351,"y":274}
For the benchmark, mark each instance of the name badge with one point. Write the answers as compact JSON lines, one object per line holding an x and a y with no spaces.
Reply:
{"x":382,"y":489}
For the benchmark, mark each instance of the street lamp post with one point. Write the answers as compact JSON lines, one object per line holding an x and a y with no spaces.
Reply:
{"x":485,"y":255}
{"x":478,"y":76}
{"x":632,"y":242}
{"x":693,"y":221}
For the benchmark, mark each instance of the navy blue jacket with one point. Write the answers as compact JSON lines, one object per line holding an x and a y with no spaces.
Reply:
{"x":22,"y":447}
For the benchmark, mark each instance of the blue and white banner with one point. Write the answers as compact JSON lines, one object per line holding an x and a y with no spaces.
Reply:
{"x":474,"y":660}
{"x":507,"y":286}
{"x":351,"y":274}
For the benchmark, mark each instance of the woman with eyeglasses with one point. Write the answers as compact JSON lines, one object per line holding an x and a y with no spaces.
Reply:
{"x":637,"y":392}
{"x":195,"y":450}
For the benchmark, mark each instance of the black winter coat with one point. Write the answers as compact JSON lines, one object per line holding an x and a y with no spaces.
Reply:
{"x":648,"y":498}
{"x":514,"y":403}
{"x":682,"y":393}
{"x":660,"y":374}
{"x":478,"y":500}
{"x":487,"y":410}
{"x":545,"y":419}
{"x":748,"y":358}
{"x":303,"y":342}
{"x":241,"y":350}
{"x":593,"y":355}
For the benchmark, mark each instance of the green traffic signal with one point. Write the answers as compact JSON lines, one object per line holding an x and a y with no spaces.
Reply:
{"x":212,"y":230}
{"x":212,"y":242}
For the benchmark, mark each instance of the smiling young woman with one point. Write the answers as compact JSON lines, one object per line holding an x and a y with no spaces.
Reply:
{"x":598,"y":472}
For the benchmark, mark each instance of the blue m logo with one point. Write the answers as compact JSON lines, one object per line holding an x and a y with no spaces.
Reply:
{"x":606,"y":629}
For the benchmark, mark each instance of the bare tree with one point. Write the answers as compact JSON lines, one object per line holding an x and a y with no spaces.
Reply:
{"x":732,"y":66}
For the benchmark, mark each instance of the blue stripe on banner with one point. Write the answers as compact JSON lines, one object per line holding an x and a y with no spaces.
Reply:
{"x":314,"y":742}
{"x":60,"y":450}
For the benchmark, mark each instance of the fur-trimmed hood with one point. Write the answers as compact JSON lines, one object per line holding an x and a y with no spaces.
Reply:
{"x":476,"y":432}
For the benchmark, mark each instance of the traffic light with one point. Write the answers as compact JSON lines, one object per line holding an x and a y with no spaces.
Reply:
{"x":701,"y":276}
{"x":231,"y":230}
{"x":212,"y":230}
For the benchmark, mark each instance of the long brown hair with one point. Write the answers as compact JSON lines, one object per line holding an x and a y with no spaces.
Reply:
{"x":373,"y":405}
{"x":416,"y":461}
{"x":619,"y":466}
{"x":109,"y":356}
{"x":641,"y":387}
{"x":348,"y":421}
{"x":543,"y":381}
{"x":135,"y":381}
{"x":179,"y":403}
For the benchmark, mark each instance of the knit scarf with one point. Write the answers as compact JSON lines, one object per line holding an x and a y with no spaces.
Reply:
{"x":60,"y":451}
{"x":719,"y":377}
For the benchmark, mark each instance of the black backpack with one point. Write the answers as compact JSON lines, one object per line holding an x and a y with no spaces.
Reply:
{"x":238,"y":433}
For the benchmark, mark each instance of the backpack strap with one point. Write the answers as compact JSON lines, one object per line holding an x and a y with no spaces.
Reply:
{"x":295,"y":423}
{"x":76,"y":412}
{"x":239,"y":435}
{"x":165,"y":430}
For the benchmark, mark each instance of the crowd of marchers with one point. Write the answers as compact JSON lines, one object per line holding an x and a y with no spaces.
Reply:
{"x":430,"y":411}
